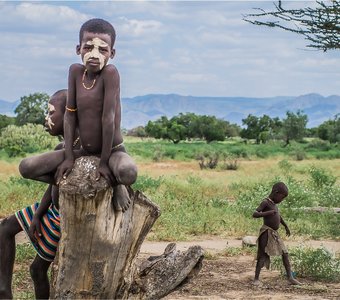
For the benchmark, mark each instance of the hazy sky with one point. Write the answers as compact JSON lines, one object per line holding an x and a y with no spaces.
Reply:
{"x":199,"y":48}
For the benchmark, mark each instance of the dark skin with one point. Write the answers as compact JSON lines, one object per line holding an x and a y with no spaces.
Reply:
{"x":269,"y":211}
{"x":96,"y":96}
{"x":10,"y":226}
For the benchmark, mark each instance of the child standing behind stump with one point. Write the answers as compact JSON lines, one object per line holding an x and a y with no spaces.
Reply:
{"x":269,"y":241}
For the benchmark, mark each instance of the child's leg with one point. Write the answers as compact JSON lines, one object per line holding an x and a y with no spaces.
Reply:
{"x":123,"y":168}
{"x":286,"y":263}
{"x":9,"y":227}
{"x":42,"y":167}
{"x":121,"y":199}
{"x":38,"y":270}
{"x":125,"y":172}
{"x":262,"y":256}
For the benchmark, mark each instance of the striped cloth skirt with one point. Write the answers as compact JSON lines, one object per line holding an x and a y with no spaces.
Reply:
{"x":50,"y":230}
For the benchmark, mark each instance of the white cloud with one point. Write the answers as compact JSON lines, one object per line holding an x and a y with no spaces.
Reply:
{"x":50,"y":16}
{"x":138,"y":28}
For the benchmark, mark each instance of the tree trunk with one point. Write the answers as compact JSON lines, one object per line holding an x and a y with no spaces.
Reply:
{"x":98,"y":248}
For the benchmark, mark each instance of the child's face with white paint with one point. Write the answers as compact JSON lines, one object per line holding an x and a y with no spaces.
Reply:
{"x":95,"y":50}
{"x":54,"y":119}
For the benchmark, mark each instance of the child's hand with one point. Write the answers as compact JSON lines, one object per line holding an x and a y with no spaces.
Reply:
{"x":104,"y":170}
{"x":34,"y":228}
{"x":63,"y":170}
{"x":271,"y":212}
{"x":287,"y":231}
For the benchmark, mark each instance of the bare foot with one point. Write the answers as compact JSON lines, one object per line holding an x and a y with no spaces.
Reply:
{"x":293,"y":281}
{"x":257,"y":282}
{"x":121,"y":199}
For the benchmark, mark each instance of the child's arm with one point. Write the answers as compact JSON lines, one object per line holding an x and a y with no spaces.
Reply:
{"x":70,"y":119}
{"x":285,"y":226}
{"x":259,"y":213}
{"x":111,"y":98}
{"x":42,"y":209}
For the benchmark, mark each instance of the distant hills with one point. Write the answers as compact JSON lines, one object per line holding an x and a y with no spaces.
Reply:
{"x":7,"y":108}
{"x":139,"y":110}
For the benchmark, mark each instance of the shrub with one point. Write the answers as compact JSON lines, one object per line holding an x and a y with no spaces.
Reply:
{"x":29,"y":138}
{"x":147,"y":183}
{"x":229,"y":162}
{"x":319,"y":145}
{"x":321,"y":178}
{"x":158,"y":154}
{"x":300,"y":155}
{"x":208,"y":160}
{"x":319,"y":264}
{"x":285,"y":165}
{"x":262,"y":153}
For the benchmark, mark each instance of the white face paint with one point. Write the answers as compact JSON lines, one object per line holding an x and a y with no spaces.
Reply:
{"x":96,"y":43}
{"x":50,"y":109}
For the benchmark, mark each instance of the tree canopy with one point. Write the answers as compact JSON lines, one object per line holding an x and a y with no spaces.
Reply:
{"x":6,"y":120}
{"x":318,"y":24}
{"x":32,"y":109}
{"x":294,"y":126}
{"x":188,"y":126}
{"x":260,"y":128}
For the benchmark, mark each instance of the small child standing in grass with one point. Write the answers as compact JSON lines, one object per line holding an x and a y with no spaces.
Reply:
{"x":269,"y":241}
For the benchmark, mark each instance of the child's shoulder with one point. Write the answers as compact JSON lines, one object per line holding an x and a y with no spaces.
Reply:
{"x":110,"y":71}
{"x":76,"y":67}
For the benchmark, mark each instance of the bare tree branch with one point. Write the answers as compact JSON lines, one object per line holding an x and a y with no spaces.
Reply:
{"x":319,"y":25}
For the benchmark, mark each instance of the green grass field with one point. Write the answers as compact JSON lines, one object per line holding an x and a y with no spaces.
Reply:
{"x":214,"y":202}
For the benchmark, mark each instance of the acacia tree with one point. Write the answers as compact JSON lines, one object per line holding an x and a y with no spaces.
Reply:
{"x":319,"y":25}
{"x":260,"y":128}
{"x":32,"y":109}
{"x":330,"y":130}
{"x":294,"y":126}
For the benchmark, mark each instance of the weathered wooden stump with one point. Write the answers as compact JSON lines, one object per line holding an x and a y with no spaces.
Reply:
{"x":99,"y":246}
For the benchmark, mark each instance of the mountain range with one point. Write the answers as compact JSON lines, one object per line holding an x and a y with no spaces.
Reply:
{"x":139,"y":110}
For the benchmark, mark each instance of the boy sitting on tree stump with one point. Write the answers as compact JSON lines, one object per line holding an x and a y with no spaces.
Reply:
{"x":93,"y":106}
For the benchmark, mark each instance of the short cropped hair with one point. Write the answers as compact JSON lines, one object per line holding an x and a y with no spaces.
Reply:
{"x":98,"y":26}
{"x":61,"y":97}
{"x":280,"y":187}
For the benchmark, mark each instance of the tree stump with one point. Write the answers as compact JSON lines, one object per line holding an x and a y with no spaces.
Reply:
{"x":98,"y":247}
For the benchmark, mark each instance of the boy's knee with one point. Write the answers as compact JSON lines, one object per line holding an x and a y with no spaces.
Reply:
{"x":127,"y":174}
{"x":36,"y":272}
{"x":25,"y":168}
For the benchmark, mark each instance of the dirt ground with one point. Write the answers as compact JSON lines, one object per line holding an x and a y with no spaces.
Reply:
{"x":224,"y":277}
{"x":231,"y":278}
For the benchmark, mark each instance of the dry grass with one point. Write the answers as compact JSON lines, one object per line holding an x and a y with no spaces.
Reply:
{"x":8,"y":169}
{"x":249,"y":170}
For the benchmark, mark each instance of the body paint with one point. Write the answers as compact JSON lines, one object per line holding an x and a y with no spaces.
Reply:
{"x":94,"y":53}
{"x":50,"y":109}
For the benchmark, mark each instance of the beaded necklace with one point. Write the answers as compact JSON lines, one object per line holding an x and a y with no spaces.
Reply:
{"x":83,"y":79}
{"x":270,"y":200}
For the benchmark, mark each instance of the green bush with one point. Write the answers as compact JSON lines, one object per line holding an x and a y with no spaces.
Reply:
{"x":29,"y":138}
{"x":319,"y":264}
{"x":317,"y":144}
{"x":147,"y":183}
{"x":321,"y":178}
{"x":285,"y":165}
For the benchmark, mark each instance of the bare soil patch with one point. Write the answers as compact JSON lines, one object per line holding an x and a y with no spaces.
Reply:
{"x":231,"y":278}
